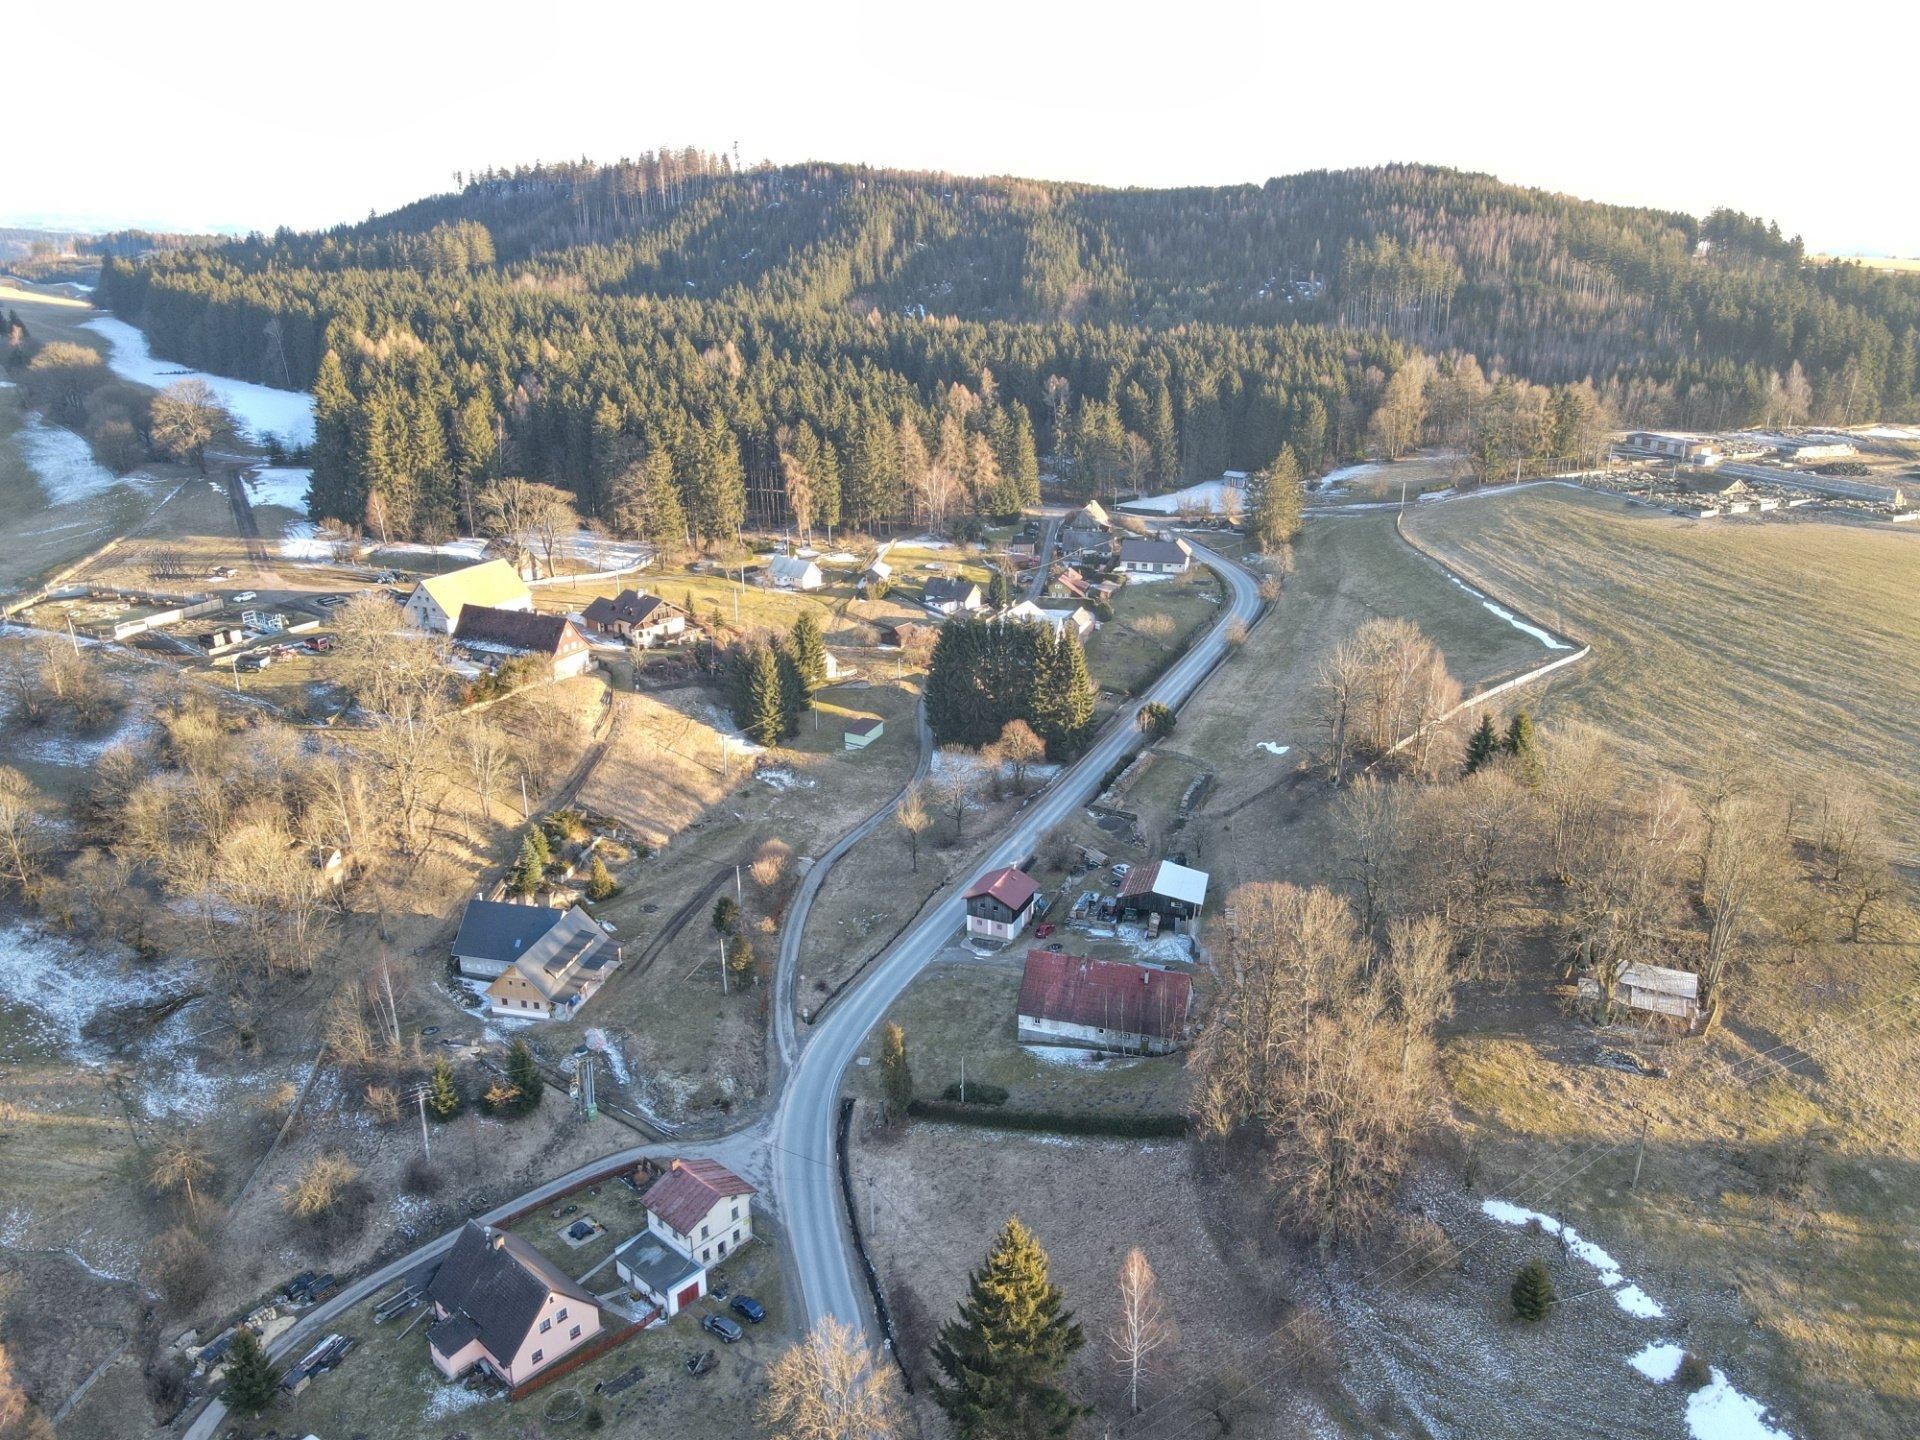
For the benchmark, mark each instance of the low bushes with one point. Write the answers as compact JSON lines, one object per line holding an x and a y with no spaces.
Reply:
{"x":976,"y":1094}
{"x":1051,"y":1122}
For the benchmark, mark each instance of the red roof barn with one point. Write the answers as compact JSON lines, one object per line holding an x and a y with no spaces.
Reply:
{"x":1108,"y":1004}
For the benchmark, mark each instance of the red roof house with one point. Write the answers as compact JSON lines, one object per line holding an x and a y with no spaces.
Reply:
{"x":1000,"y":903}
{"x":701,"y":1208}
{"x":1107,"y":1004}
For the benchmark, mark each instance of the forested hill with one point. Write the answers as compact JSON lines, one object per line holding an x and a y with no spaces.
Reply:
{"x":669,"y":294}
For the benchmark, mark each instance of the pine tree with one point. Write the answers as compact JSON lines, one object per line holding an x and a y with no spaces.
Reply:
{"x":1532,"y":1293}
{"x":1162,"y":438}
{"x":794,"y":699}
{"x":1065,"y":695}
{"x":896,"y":1078}
{"x":600,"y":884}
{"x":524,"y":1072}
{"x":999,"y":589}
{"x":1483,"y":746}
{"x":726,"y":914}
{"x":809,"y":649}
{"x":1001,"y":1360}
{"x":1277,"y":507}
{"x":443,"y":1095}
{"x":1523,"y":744}
{"x":529,"y":870}
{"x":252,"y":1380}
{"x":759,"y":703}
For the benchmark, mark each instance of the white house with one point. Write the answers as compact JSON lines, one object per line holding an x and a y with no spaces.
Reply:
{"x":1155,"y":557}
{"x":1079,"y":617}
{"x":863,"y":732}
{"x":436,"y":602}
{"x":701,"y":1208}
{"x":790,"y":572}
{"x":952,"y":595}
{"x":1000,"y":903}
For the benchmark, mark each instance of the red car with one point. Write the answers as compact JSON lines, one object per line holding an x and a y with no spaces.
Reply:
{"x":1040,"y":932}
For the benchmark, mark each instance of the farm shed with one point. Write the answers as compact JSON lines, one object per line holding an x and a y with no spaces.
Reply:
{"x":1173,"y":892}
{"x":863,"y":732}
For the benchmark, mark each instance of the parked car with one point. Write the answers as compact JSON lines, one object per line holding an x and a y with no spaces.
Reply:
{"x":748,"y":1309}
{"x":1042,"y":930}
{"x":1121,"y":869}
{"x":723,"y":1327}
{"x":246,"y":595}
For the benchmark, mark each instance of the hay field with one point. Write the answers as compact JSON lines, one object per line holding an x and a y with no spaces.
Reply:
{"x":1802,"y":636}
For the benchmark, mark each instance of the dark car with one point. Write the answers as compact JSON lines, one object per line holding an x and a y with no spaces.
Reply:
{"x":723,"y":1327}
{"x":748,"y":1309}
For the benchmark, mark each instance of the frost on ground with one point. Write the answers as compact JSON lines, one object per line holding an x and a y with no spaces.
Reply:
{"x":781,"y":778}
{"x":282,"y":485}
{"x":609,"y":1050}
{"x":63,"y":985}
{"x":445,"y":1400}
{"x":52,"y":748}
{"x":260,"y":410}
{"x":62,"y":462}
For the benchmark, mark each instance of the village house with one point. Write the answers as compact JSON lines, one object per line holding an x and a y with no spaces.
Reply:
{"x":502,"y":1307}
{"x":437,"y":601}
{"x":1088,"y":528}
{"x":486,"y":631}
{"x":945,"y":595}
{"x":1070,"y":584}
{"x":544,"y":963}
{"x":637,"y":617}
{"x":1105,"y":1004}
{"x":1173,"y":892}
{"x":875,"y":578}
{"x":791,"y":572}
{"x":1079,"y":619}
{"x":1673,"y":445}
{"x":1155,"y":557}
{"x":861,"y":733}
{"x":1000,"y":903}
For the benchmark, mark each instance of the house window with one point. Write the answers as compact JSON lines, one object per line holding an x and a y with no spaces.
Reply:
{"x":538,"y":1356}
{"x":703,"y":1232}
{"x":736,"y":1237}
{"x":574,"y":1334}
{"x":707,"y":1254}
{"x":545,"y":1325}
{"x":723,"y":1247}
{"x":736,"y":1212}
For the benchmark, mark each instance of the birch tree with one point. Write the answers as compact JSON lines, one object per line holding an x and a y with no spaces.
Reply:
{"x":1141,"y":1328}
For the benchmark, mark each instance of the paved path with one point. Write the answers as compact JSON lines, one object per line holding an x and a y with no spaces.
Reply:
{"x":803,"y":1158}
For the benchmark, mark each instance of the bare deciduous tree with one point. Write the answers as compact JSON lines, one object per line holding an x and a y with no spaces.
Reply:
{"x":24,"y":834}
{"x":180,"y":1166}
{"x":826,"y":1387}
{"x":1141,"y":1328}
{"x":956,"y":786}
{"x":913,"y":820}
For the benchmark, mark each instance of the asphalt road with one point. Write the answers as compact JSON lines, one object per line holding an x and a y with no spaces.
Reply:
{"x":803,"y":1160}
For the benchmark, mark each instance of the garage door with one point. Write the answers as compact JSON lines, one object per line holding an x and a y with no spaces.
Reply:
{"x":687,"y":1296}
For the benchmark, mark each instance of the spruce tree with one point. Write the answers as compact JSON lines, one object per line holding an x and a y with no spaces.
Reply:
{"x":529,"y":870}
{"x":251,"y":1378}
{"x":1483,"y":746}
{"x":600,"y":884}
{"x":443,"y":1095}
{"x":1523,"y":744}
{"x":1066,"y":703}
{"x":896,"y":1078}
{"x":809,"y":649}
{"x":1000,"y":1362}
{"x":525,"y":1075}
{"x":999,"y":588}
{"x":759,"y":704}
{"x":1532,"y":1292}
{"x":1277,"y":506}
{"x":794,"y":700}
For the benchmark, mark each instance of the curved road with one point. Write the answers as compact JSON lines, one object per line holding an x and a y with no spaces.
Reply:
{"x":804,"y":1175}
{"x":804,"y":1183}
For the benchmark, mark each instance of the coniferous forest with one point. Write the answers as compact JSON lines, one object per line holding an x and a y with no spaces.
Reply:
{"x":823,"y":345}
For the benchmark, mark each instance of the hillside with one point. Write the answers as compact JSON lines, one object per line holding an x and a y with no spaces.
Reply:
{"x":1147,"y":336}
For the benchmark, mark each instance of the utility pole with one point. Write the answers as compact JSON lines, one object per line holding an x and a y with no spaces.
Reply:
{"x":963,"y":1079}
{"x":872,"y":1214}
{"x":1640,"y":1151}
{"x":526,"y":810}
{"x":724,"y":989}
{"x":72,"y":639}
{"x":739,"y":895}
{"x":420,"y":1094}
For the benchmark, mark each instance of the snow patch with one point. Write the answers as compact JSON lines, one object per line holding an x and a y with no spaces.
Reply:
{"x":1630,"y":1298}
{"x":445,"y":1400}
{"x":1717,"y":1411}
{"x":301,"y":541}
{"x":1212,"y":497}
{"x":1659,"y":1362}
{"x":781,"y":778}
{"x":1337,"y":479}
{"x":1271,"y":748}
{"x":1507,"y":615}
{"x":64,"y":985}
{"x":259,"y":410}
{"x":282,"y":485}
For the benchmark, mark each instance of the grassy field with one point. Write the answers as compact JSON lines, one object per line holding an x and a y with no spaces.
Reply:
{"x":1796,"y":636}
{"x":1150,"y":622}
{"x":952,"y":1011}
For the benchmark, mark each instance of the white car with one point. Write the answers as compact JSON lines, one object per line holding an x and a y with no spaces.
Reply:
{"x":246,"y":595}
{"x":1121,"y":869}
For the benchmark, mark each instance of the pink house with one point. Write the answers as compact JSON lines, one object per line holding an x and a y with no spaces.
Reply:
{"x":502,"y":1306}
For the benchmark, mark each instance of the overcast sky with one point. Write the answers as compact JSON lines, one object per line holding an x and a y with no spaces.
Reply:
{"x":202,"y":115}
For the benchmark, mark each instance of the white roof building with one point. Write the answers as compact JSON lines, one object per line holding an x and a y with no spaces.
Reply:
{"x":790,"y":572}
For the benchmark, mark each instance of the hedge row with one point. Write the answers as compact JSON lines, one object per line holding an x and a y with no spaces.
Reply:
{"x":978,"y":1093}
{"x":1121,"y":1127}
